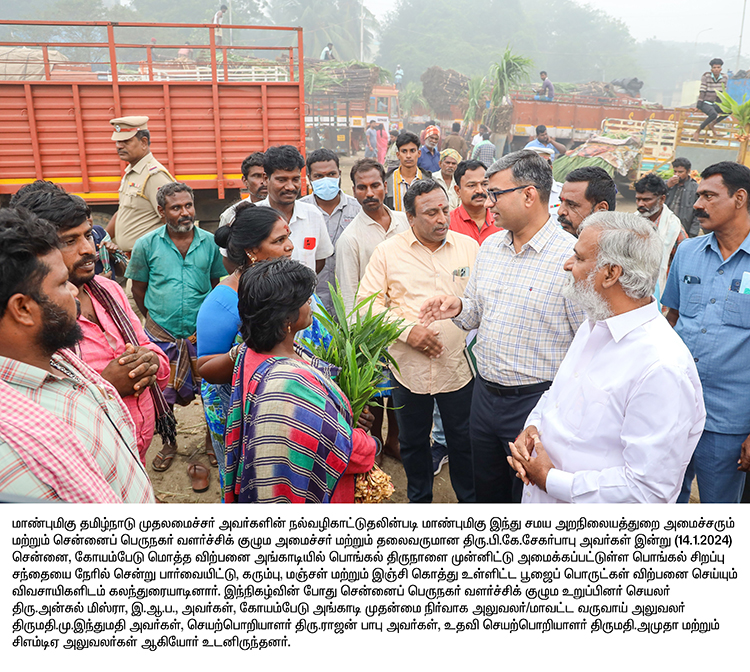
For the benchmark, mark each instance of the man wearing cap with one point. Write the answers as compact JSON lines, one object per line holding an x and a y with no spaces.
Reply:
{"x":449,"y":159}
{"x":137,"y":213}
{"x":429,"y":158}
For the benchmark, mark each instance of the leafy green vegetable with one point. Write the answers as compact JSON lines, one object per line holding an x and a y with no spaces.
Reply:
{"x":359,"y":347}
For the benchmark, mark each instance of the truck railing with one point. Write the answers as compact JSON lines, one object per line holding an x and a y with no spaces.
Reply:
{"x":103,"y":69}
{"x":111,"y":59}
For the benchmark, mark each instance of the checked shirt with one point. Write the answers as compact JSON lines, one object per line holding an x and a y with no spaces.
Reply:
{"x":515,"y":300}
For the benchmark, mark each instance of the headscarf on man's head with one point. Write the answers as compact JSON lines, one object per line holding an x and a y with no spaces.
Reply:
{"x":431,"y":130}
{"x":452,"y":153}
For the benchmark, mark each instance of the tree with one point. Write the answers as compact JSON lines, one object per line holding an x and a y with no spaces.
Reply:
{"x":409,"y":98}
{"x":337,"y":21}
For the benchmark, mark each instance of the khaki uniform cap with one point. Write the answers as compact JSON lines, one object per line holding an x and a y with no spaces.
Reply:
{"x":127,"y":127}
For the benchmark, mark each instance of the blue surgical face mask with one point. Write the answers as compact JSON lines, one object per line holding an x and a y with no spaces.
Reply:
{"x":326,"y":188}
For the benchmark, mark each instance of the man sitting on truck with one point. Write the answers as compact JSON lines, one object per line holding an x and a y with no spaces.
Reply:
{"x":708,"y":99}
{"x":308,"y":232}
{"x":543,"y":140}
{"x":547,"y":92}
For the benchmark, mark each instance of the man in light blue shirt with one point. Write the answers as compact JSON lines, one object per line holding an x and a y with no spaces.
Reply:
{"x":543,"y":140}
{"x":713,"y":319}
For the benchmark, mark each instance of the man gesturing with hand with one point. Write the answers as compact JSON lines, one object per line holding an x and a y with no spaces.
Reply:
{"x":404,"y":271}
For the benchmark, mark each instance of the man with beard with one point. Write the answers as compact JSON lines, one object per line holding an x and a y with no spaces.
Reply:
{"x":711,"y":314}
{"x":308,"y":231}
{"x":371,"y":226}
{"x":594,"y":437}
{"x":585,"y":191}
{"x":472,"y":217}
{"x":404,"y":272}
{"x":173,"y":269}
{"x":650,"y":195}
{"x":525,"y":325}
{"x":64,"y":433}
{"x":429,"y":157}
{"x":113,"y":341}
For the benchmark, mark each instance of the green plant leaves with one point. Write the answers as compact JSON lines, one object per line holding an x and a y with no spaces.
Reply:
{"x":359,"y":346}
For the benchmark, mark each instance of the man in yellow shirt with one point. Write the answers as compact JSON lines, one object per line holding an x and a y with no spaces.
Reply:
{"x":405,"y":271}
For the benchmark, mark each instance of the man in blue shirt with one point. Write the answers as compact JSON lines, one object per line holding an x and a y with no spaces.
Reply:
{"x":429,"y":159}
{"x":713,"y":319}
{"x":543,"y":140}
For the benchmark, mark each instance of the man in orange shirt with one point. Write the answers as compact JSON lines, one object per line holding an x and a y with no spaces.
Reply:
{"x":472,"y":218}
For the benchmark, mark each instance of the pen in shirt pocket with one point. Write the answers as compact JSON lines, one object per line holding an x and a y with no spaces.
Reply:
{"x":462,"y":272}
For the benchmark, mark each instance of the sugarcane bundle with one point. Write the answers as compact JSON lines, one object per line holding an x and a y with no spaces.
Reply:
{"x":443,"y":88}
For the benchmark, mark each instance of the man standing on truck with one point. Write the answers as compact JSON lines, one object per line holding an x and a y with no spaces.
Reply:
{"x":708,"y":99}
{"x":217,"y":21}
{"x":138,"y":212}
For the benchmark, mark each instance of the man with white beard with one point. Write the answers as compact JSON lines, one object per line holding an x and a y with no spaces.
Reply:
{"x":625,"y":411}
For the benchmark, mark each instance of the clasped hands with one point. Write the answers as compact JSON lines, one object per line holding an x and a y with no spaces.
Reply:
{"x":529,"y":458}
{"x":133,"y":371}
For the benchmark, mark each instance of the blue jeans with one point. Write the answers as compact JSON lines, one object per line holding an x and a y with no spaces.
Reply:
{"x":414,"y":413}
{"x":714,"y":462}
{"x":438,"y":433}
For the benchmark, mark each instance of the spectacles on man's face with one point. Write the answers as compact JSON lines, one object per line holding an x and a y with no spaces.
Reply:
{"x":494,"y":194}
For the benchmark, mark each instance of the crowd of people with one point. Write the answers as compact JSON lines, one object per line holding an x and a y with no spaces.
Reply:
{"x":554,"y":350}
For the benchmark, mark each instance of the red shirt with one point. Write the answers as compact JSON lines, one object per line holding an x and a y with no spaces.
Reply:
{"x":462,"y":223}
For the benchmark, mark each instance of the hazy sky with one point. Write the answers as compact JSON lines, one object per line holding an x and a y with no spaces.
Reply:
{"x":679,"y":20}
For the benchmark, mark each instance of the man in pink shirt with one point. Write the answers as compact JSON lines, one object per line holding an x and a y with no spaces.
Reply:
{"x":114,"y":343}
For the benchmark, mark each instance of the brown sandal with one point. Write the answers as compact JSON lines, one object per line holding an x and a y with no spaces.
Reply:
{"x":199,"y":476}
{"x":165,"y":461}
{"x":211,"y":455}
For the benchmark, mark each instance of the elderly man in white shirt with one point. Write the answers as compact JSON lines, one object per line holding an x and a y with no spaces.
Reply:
{"x":625,"y":411}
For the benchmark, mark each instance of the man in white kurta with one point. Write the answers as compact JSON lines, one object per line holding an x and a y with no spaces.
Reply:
{"x":625,"y":411}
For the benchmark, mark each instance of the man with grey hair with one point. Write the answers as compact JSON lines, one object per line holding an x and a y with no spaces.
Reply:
{"x":525,"y":323}
{"x":594,"y":436}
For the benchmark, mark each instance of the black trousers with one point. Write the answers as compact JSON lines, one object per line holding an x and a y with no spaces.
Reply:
{"x":495,"y":421}
{"x":713,"y":111}
{"x":414,"y":413}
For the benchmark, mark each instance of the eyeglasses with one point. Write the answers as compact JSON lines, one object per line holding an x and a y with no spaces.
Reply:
{"x":494,"y":194}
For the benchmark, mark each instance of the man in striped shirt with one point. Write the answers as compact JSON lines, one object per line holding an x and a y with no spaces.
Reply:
{"x":708,"y":98}
{"x":64,"y":431}
{"x":514,"y":297}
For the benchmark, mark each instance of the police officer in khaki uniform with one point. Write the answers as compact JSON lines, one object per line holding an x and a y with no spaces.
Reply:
{"x":137,"y":213}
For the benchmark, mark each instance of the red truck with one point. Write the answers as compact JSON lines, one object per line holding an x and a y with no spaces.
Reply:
{"x":208,"y":105}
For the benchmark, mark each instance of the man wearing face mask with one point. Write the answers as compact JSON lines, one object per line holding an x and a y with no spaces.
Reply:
{"x":338,"y":209}
{"x":650,"y":195}
{"x":429,"y":158}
